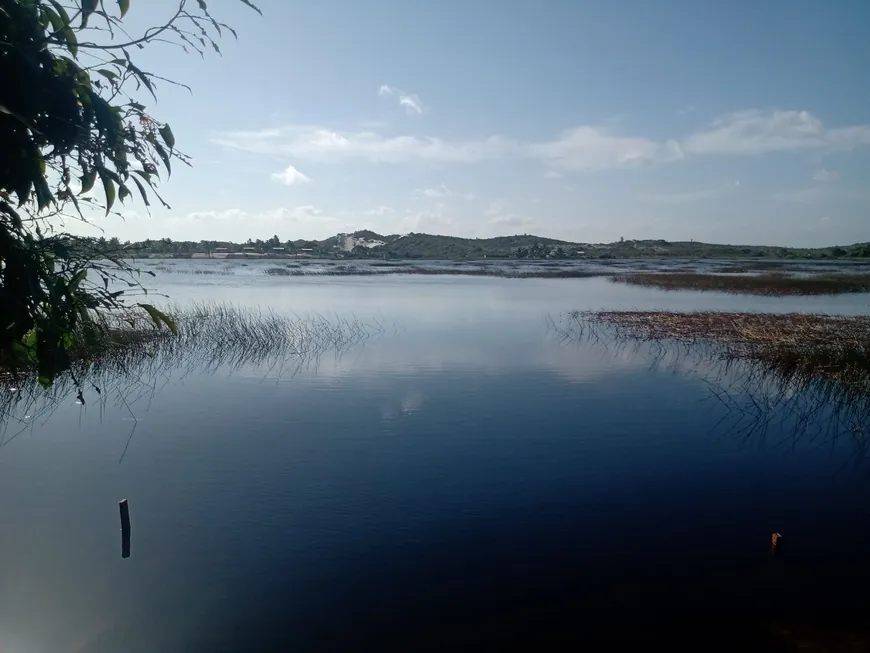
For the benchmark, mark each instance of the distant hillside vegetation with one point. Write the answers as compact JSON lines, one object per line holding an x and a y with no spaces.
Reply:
{"x":366,"y":244}
{"x":429,"y":246}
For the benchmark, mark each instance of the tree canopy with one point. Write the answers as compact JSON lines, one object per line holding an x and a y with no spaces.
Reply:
{"x":74,"y":121}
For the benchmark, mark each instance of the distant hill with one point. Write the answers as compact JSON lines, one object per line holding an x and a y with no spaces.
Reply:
{"x":430,"y":246}
{"x":369,"y":244}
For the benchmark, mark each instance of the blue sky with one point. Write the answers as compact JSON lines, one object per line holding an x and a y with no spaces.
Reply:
{"x":739,"y":121}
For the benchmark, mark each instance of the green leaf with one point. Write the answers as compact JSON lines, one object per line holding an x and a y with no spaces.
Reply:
{"x":125,"y":7}
{"x":62,"y":29}
{"x":202,"y":5}
{"x":141,"y":191}
{"x":167,"y":135}
{"x":88,"y":7}
{"x":163,"y":155}
{"x":72,"y":42}
{"x":109,"y":187}
{"x":108,"y":74}
{"x":61,"y":11}
{"x":88,"y":179}
{"x":30,"y":340}
{"x":43,"y":193}
{"x":252,"y":6}
{"x":76,"y":280}
{"x":159,"y":317}
{"x":53,"y":18}
{"x":146,"y":176}
{"x":141,"y":76}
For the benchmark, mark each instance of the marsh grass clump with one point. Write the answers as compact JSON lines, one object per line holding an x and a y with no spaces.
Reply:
{"x":809,"y":374}
{"x":769,"y":284}
{"x":478,"y":270}
{"x":214,"y":334}
{"x":742,"y":267}
{"x":223,"y":271}
{"x":134,"y":360}
{"x":797,"y":345}
{"x":279,"y":271}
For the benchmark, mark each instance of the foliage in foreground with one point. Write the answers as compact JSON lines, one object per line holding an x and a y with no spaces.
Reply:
{"x":72,"y":119}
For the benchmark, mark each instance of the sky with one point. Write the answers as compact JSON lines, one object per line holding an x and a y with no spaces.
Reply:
{"x":741,"y":122}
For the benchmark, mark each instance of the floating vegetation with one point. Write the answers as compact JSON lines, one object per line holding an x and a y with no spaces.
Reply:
{"x":742,"y":267}
{"x":811,"y":369}
{"x":771,"y":284}
{"x":278,"y":272}
{"x":223,"y":271}
{"x":822,"y":346}
{"x":482,"y":270}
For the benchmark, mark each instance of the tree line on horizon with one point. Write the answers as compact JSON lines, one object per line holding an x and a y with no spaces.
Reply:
{"x":434,"y":246}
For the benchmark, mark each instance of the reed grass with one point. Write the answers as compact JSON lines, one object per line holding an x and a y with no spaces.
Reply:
{"x":810,"y":346}
{"x":134,"y":361}
{"x":769,"y":284}
{"x":481,"y":270}
{"x":810,"y":373}
{"x":217,"y":334}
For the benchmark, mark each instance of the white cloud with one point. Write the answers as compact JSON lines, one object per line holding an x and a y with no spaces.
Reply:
{"x":379,"y":210}
{"x":410,"y":101}
{"x":758,"y":132}
{"x":685,"y":197}
{"x":303,"y":213}
{"x":552,"y":174}
{"x":585,"y":147}
{"x":441,"y":191}
{"x":581,"y":148}
{"x":824,"y":176}
{"x":322,"y":144}
{"x":593,"y":148}
{"x":290,"y":175}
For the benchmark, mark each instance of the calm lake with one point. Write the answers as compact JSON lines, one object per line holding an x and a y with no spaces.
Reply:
{"x":460,"y":475}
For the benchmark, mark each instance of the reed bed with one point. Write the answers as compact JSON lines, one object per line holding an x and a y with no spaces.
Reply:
{"x":809,"y":373}
{"x":811,"y":346}
{"x":770,"y":284}
{"x":215,"y":334}
{"x":394,"y":269}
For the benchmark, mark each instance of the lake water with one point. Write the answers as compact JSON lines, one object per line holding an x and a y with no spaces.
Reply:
{"x":460,"y":477}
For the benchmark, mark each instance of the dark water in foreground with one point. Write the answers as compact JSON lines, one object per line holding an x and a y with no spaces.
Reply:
{"x":460,"y":479}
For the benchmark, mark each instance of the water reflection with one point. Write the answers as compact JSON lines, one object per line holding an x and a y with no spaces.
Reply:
{"x":211,"y":338}
{"x":758,"y":398}
{"x":457,"y":477}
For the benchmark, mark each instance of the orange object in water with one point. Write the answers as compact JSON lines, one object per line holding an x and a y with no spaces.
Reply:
{"x":776,"y":542}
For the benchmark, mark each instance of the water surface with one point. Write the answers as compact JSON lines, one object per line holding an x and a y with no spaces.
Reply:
{"x":462,"y":476}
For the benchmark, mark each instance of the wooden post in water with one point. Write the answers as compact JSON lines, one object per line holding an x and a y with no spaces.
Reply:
{"x":776,"y":543}
{"x":125,"y":528}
